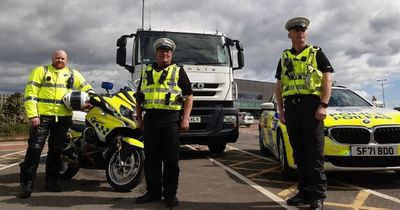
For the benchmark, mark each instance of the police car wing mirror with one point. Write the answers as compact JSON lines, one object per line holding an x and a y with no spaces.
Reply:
{"x":268,"y":106}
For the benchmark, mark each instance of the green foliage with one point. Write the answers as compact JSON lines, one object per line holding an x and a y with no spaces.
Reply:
{"x":12,"y":117}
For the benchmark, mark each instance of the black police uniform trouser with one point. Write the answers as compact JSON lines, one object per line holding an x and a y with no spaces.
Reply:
{"x":161,"y":147}
{"x":306,"y":136}
{"x":36,"y":142}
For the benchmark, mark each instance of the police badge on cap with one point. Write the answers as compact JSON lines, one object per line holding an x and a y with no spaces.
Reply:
{"x":300,"y":22}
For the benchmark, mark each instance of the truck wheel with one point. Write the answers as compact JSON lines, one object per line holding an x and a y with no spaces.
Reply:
{"x":217,"y":148}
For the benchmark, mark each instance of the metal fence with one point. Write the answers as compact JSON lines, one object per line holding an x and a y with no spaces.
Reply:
{"x":3,"y":98}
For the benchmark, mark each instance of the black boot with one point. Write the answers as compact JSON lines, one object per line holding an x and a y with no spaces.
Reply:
{"x":26,"y":183}
{"x":25,"y":191}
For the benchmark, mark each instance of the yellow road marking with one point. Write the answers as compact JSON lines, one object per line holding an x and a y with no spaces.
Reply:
{"x":285,"y":193}
{"x":352,"y":207}
{"x":360,"y":199}
{"x":263,"y":172}
{"x":246,"y":169}
{"x":272,"y":181}
{"x":243,"y":162}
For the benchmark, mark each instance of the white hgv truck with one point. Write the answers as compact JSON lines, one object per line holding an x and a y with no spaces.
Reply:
{"x":208,"y":59}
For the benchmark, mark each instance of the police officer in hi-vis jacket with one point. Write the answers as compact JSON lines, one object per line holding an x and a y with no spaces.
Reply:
{"x":48,"y":117}
{"x":163,"y":91}
{"x":303,"y":90}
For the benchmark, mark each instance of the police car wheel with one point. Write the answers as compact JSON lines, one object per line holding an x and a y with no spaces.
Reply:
{"x":285,"y":170}
{"x":263,"y":150}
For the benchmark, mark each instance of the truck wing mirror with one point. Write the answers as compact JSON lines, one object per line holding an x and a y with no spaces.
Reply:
{"x":121,"y":52}
{"x":121,"y":42}
{"x":121,"y":56}
{"x":240,"y":54}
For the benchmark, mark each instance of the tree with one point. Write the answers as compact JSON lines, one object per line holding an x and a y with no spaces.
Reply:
{"x":13,"y":109}
{"x":12,"y":117}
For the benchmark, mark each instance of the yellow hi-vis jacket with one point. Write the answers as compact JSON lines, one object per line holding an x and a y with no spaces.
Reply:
{"x":46,"y":88}
{"x":300,"y":74}
{"x":161,"y":95}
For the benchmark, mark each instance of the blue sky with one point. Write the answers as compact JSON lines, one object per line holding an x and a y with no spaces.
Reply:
{"x":361,"y":39}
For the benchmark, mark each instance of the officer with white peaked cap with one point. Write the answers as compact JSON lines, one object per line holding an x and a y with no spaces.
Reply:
{"x":165,"y":94}
{"x":303,"y":89}
{"x":164,"y":44}
{"x":300,"y":22}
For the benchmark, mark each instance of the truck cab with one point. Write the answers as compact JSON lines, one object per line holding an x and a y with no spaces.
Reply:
{"x":208,"y":61}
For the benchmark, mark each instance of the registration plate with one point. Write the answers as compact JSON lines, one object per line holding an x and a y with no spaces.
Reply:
{"x":195,"y":119}
{"x":373,"y":150}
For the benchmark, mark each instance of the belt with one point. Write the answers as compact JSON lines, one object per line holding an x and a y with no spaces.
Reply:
{"x":297,"y":99}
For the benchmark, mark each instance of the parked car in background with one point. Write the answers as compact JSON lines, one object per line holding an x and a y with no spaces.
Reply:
{"x":245,"y":118}
{"x":358,"y":135}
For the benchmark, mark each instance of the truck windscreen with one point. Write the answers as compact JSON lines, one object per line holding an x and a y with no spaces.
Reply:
{"x":194,"y":49}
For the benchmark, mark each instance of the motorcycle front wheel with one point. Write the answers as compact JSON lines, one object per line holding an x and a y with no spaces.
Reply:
{"x":124,"y":175}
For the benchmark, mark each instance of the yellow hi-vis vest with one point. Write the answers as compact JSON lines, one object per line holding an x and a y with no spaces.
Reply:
{"x":161,"y":95}
{"x":46,"y":88}
{"x":300,"y":74}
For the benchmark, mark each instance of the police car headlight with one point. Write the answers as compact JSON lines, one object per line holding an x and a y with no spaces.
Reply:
{"x":230,"y":119}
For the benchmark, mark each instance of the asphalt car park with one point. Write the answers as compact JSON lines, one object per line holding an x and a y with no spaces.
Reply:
{"x":240,"y":178}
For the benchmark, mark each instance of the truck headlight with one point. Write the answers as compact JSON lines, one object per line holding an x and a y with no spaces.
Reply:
{"x":230,"y":118}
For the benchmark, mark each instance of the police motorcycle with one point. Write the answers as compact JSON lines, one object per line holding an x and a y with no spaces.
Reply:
{"x":106,"y":139}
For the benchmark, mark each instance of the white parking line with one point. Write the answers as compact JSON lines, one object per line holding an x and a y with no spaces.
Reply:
{"x":261,"y":189}
{"x":13,"y":153}
{"x":14,"y":164}
{"x":258,"y":156}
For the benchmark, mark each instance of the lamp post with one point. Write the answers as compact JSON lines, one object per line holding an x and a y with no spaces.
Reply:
{"x":383,"y":92}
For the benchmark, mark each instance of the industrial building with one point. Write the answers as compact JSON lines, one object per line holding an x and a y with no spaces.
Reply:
{"x":251,"y":94}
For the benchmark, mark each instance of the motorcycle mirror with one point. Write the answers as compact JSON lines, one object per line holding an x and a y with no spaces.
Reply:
{"x":107,"y":85}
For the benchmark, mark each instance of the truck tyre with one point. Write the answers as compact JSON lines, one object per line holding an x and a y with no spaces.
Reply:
{"x":217,"y":148}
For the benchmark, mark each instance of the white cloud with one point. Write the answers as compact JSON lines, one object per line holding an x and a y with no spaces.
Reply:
{"x":360,"y":39}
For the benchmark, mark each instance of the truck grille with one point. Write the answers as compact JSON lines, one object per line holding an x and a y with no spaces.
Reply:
{"x":354,"y":135}
{"x":209,"y":89}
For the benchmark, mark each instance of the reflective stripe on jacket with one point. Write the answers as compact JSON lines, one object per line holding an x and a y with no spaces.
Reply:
{"x":46,"y":88}
{"x":161,"y":95}
{"x":300,"y":74}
